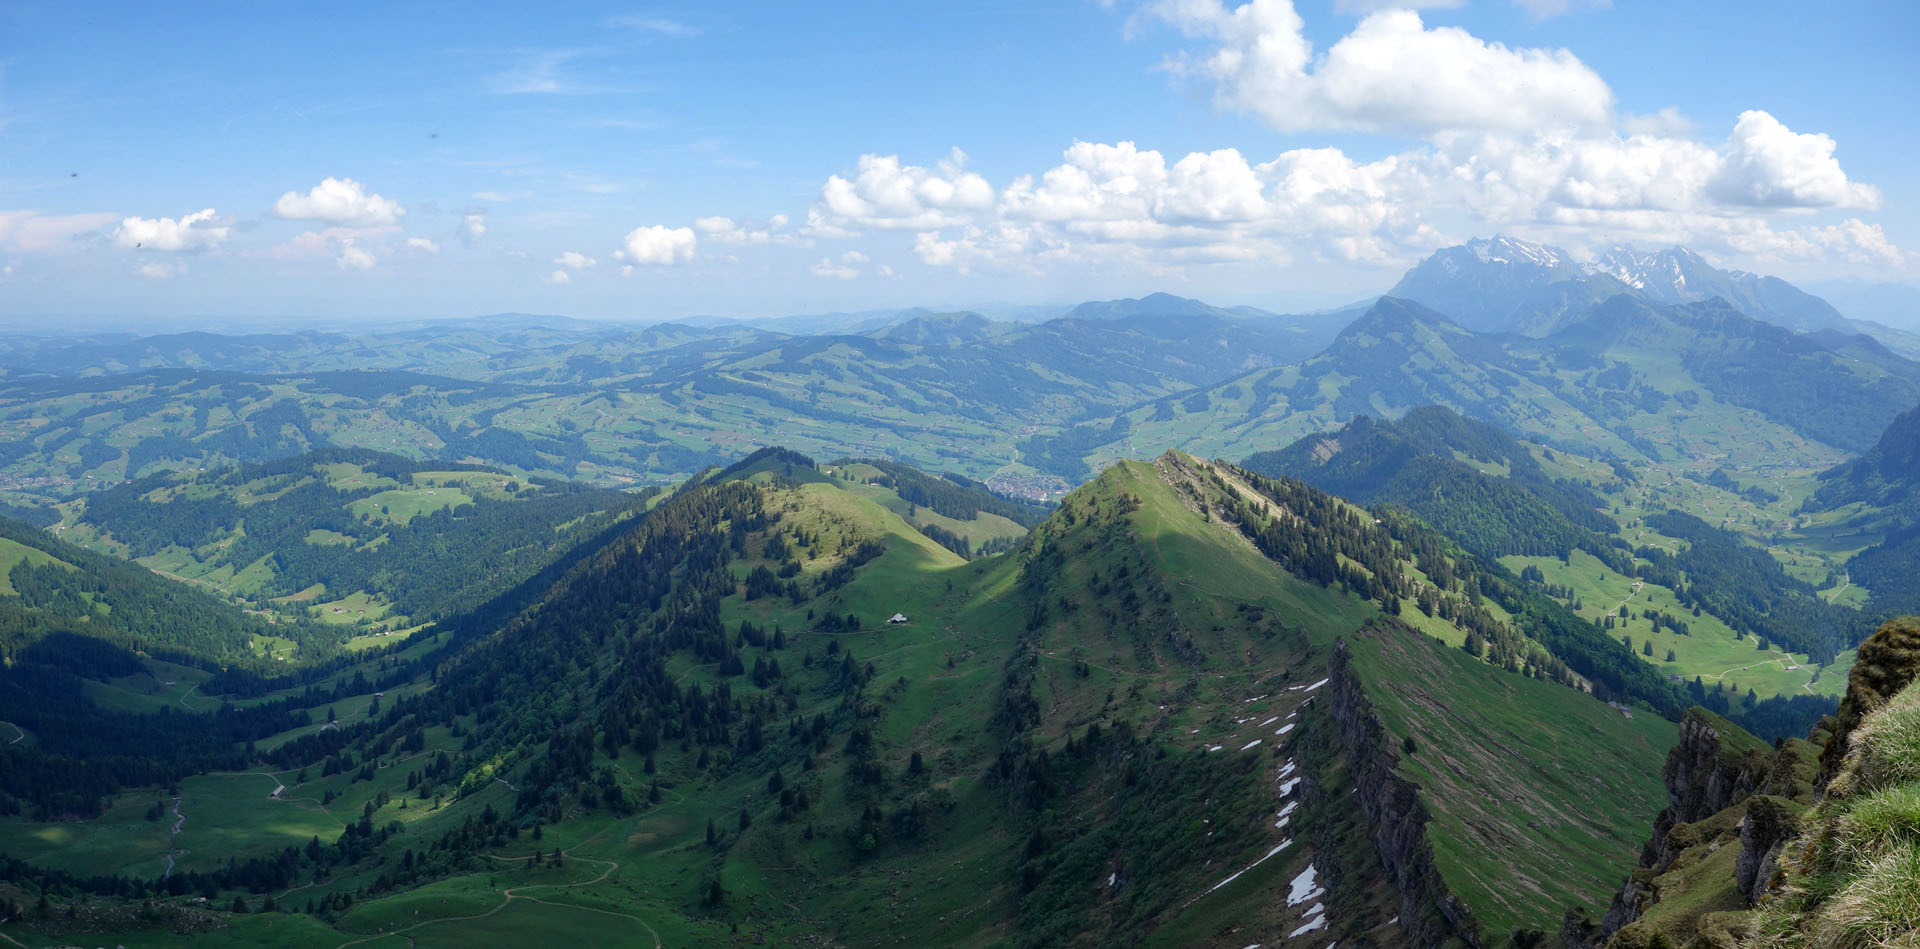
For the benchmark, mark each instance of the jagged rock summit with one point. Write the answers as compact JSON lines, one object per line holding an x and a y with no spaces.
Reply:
{"x":1510,"y":285}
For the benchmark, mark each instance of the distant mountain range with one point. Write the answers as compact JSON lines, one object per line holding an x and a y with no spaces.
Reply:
{"x":1602,"y":355}
{"x":1507,"y":285}
{"x":1628,"y":379}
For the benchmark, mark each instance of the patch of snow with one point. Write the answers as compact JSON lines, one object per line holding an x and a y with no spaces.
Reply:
{"x":1284,"y":770}
{"x":1216,"y":748}
{"x":1318,"y":922}
{"x":1269,"y":721}
{"x":1285,"y":729}
{"x":1254,"y":699}
{"x":1252,"y":743}
{"x":1316,"y":685}
{"x":1287,"y":788}
{"x":1111,"y":877}
{"x":1303,"y":889}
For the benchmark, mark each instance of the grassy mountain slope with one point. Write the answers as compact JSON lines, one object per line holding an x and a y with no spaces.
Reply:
{"x":1092,"y":734}
{"x":1467,"y":478}
{"x":1536,"y":791}
{"x":1875,"y":499}
{"x":55,"y":585}
{"x":1488,"y":491}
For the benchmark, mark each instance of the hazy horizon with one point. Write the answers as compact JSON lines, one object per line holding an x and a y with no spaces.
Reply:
{"x":654,"y":164}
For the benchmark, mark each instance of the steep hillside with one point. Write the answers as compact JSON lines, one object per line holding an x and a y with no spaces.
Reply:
{"x":1134,"y":727}
{"x":93,"y":646}
{"x":1467,"y":478}
{"x":51,"y":585}
{"x":1685,"y":599}
{"x":1885,"y":475}
{"x":1875,"y":498}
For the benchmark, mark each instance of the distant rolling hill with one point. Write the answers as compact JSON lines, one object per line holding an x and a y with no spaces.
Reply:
{"x":619,"y":405}
{"x":1628,"y":380}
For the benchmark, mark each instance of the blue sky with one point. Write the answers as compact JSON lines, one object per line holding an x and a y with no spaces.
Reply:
{"x":376,"y":161}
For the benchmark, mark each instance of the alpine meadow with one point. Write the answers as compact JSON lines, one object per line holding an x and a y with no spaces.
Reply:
{"x":1236,"y":474}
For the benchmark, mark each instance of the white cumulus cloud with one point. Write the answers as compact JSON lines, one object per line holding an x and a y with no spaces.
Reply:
{"x":888,"y":195}
{"x":423,"y":244}
{"x":574,"y":260}
{"x":200,"y":230}
{"x":659,"y":244}
{"x":1118,"y":203}
{"x":559,"y":277}
{"x":1391,"y":74}
{"x":1770,"y":165}
{"x":339,"y":201}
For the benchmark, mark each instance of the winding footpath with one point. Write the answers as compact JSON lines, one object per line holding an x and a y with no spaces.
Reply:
{"x":513,"y":893}
{"x":173,"y":837}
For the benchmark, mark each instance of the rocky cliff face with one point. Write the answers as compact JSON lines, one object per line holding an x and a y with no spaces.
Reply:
{"x":1430,"y":915}
{"x":1715,"y":765}
{"x":1705,"y":774}
{"x":1769,"y":823}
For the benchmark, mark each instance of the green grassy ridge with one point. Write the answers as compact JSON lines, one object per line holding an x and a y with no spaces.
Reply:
{"x":13,"y":552}
{"x":1430,"y":462}
{"x":1244,"y":628}
{"x":1489,"y":707}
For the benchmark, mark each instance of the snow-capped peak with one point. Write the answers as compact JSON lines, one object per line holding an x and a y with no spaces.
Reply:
{"x":1501,"y":249}
{"x":1662,"y":271}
